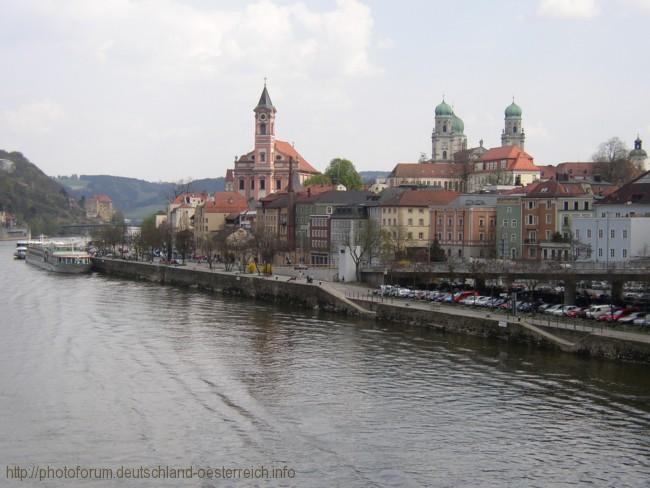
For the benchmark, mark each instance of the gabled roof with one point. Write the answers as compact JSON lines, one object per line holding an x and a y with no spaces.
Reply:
{"x":636,"y":191}
{"x":517,"y":158}
{"x":181,"y":198}
{"x":552,"y":189}
{"x":420,"y":198}
{"x":287,"y":149}
{"x":427,"y":170}
{"x":226,"y":202}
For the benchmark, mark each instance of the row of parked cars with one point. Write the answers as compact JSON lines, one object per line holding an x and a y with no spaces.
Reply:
{"x":603,"y":313}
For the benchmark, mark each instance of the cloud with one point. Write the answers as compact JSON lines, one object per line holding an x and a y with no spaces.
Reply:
{"x":177,"y":40}
{"x":568,"y":9}
{"x":34,"y":117}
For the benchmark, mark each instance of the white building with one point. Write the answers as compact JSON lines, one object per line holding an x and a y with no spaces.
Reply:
{"x":611,"y":239}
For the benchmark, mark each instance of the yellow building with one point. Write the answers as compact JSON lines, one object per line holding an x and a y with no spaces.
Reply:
{"x":210,"y":216}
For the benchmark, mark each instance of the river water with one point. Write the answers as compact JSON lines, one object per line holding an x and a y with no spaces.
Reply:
{"x":97,"y":372}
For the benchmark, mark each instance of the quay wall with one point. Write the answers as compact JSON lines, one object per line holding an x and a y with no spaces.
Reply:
{"x":315,"y":296}
{"x":304,"y":295}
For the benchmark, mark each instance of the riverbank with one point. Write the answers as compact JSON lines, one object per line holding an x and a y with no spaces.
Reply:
{"x":331,"y":297}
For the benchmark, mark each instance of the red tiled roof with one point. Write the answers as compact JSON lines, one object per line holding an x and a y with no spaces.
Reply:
{"x":428,"y":170}
{"x":288,"y":150}
{"x":102,"y":198}
{"x":226,"y":202}
{"x":636,"y":191}
{"x":180,"y":198}
{"x":517,"y":158}
{"x":546,"y":189}
{"x":421,"y":198}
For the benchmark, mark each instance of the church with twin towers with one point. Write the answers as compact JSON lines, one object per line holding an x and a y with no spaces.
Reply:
{"x":448,"y":139}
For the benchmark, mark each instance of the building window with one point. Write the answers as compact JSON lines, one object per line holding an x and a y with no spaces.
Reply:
{"x":444,"y":156}
{"x":449,"y":236}
{"x":410,"y":222}
{"x":612,"y":253}
{"x":624,"y":234}
{"x":262,"y":184}
{"x":439,"y":236}
{"x":513,"y":237}
{"x":262,"y":156}
{"x":241,"y":184}
{"x":460,"y":221}
{"x":612,"y":234}
{"x":549,"y":203}
{"x":460,"y":236}
{"x":328,"y":210}
{"x":577,"y":234}
{"x":513,"y":223}
{"x":409,"y":235}
{"x":600,"y":233}
{"x":481,"y":236}
{"x":252,"y":184}
{"x":505,"y":222}
{"x":278,"y":184}
{"x":549,"y":217}
{"x":444,"y":129}
{"x":421,"y":235}
{"x":421,"y":221}
{"x":586,"y":206}
{"x":575,"y":205}
{"x":566,"y":205}
{"x":439,"y":220}
{"x":421,"y":210}
{"x":565,"y":220}
{"x":509,"y":210}
{"x":481,"y":223}
{"x":624,"y":253}
{"x":449,"y":222}
{"x":263,"y":129}
{"x":548,"y":235}
{"x":530,"y":219}
{"x":600,"y":252}
{"x":410,"y":210}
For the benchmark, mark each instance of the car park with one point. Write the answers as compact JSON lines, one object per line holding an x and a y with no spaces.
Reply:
{"x":630,"y":318}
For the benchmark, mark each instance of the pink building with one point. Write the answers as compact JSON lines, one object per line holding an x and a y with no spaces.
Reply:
{"x":265,"y":169}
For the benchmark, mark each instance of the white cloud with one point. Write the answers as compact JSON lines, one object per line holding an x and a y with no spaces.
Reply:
{"x":176,"y":40}
{"x":34,"y":117}
{"x":568,"y":9}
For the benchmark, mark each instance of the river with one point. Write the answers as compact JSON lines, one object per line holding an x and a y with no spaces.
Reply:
{"x":96,"y":371}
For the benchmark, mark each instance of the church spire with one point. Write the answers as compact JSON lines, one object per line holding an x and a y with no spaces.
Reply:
{"x":265,"y":99}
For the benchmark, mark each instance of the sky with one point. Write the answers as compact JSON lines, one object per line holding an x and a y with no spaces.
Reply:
{"x":164,"y":90}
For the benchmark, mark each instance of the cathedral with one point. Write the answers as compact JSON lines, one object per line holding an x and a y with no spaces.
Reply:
{"x":266,"y":168}
{"x":449,"y":140}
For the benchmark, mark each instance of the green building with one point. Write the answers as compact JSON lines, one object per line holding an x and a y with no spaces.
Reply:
{"x":508,"y":239}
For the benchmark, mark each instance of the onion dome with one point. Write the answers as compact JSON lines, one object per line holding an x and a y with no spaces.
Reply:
{"x":444,"y":109}
{"x":513,"y":110}
{"x":457,"y":124}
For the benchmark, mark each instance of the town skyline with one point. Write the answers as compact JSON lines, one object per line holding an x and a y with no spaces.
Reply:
{"x":155,"y":104}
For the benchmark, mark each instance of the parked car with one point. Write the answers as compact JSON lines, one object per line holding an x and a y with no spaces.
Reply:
{"x":596,"y":311}
{"x":463,"y":294}
{"x":616,"y":314}
{"x":569,"y":310}
{"x":553,"y":309}
{"x":643,"y":320}
{"x":630,"y":318}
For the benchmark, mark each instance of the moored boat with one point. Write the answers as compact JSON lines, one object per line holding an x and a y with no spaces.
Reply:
{"x":21,"y":250}
{"x":59,"y":256}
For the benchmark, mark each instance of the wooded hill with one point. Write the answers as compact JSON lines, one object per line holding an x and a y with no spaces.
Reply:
{"x":33,"y":197}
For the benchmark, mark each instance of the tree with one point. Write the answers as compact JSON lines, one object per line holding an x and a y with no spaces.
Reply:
{"x":613,"y":162}
{"x":393,"y":243}
{"x":150,"y":236}
{"x":223,"y":246}
{"x":208,"y":245}
{"x":436,"y":253}
{"x":317,"y":180}
{"x":363,"y":242}
{"x":266,"y":245}
{"x":184,"y":242}
{"x":342,"y":171}
{"x":611,"y":150}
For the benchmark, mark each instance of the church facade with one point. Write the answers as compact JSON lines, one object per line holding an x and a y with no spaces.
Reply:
{"x":266,"y":168}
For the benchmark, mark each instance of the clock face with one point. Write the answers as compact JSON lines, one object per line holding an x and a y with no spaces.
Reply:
{"x":262,"y":116}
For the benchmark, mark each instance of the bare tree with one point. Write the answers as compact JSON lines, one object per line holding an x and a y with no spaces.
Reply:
{"x":266,"y":245}
{"x":207,"y":244}
{"x":184,"y":243}
{"x":363,"y":242}
{"x":611,"y":150}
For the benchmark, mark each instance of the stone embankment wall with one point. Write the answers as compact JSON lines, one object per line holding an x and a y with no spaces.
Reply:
{"x":265,"y":288}
{"x":315,"y":296}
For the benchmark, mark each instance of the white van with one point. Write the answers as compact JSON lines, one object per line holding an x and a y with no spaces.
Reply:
{"x":596,"y":311}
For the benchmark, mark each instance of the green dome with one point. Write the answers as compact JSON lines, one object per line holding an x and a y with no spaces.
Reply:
{"x":513,"y":110}
{"x":444,"y":109}
{"x":457,"y":124}
{"x":640,"y":153}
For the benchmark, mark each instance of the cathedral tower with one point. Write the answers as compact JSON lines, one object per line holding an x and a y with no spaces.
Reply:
{"x":638,"y":155}
{"x":264,"y":131}
{"x":513,"y":133}
{"x":447,"y":138}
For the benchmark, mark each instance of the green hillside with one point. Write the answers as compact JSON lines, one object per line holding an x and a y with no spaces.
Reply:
{"x":35,"y":198}
{"x":133,"y":197}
